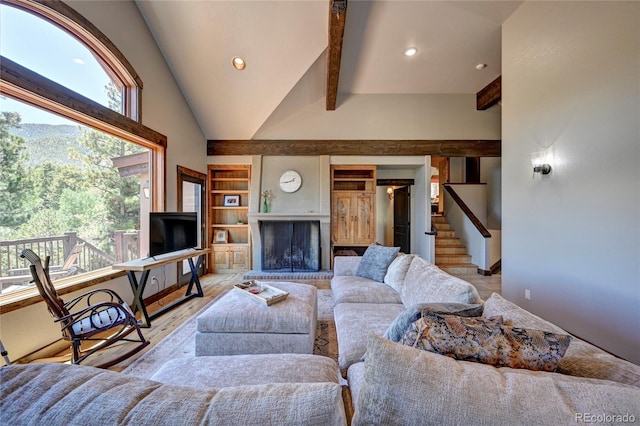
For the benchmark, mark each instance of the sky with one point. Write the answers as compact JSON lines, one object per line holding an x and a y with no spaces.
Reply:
{"x":47,"y":50}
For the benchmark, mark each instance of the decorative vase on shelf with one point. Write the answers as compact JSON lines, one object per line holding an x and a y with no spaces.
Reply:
{"x":265,"y":206}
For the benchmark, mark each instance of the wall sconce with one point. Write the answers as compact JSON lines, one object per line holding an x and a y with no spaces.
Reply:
{"x":390,"y":193}
{"x":145,"y":189}
{"x":540,"y":162}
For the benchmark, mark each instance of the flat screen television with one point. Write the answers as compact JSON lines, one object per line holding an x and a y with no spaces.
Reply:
{"x":172,"y":231}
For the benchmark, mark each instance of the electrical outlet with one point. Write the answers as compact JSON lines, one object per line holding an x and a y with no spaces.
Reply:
{"x":527,"y":294}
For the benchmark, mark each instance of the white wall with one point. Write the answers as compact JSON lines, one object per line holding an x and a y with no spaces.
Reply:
{"x":571,"y":83}
{"x":165,"y":110}
{"x":384,"y":117}
{"x":491,"y":174}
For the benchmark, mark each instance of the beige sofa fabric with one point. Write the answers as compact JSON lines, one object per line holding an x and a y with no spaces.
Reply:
{"x":352,"y":289}
{"x":354,"y":322}
{"x":581,"y":358}
{"x":426,"y":283}
{"x":58,"y":394}
{"x":398,"y":270}
{"x":236,"y":312}
{"x":237,"y":324}
{"x":208,"y":372}
{"x":406,"y":386}
{"x":346,"y":265}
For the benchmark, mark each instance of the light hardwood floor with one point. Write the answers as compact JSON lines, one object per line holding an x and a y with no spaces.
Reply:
{"x":213,"y":285}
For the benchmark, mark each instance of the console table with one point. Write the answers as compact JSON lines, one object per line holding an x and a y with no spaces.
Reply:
{"x":145,"y":265}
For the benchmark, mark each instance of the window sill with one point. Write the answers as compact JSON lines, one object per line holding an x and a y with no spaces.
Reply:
{"x":23,"y":298}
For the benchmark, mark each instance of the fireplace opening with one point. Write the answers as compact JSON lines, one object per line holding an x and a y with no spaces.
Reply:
{"x":290,"y":246}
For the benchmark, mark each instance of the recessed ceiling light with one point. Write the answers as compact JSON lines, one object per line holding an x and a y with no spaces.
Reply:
{"x":410,"y":51}
{"x":238,"y":63}
{"x":480,"y":67}
{"x":78,"y":61}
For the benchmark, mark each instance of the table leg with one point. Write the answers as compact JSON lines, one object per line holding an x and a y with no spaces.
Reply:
{"x":138,"y":290}
{"x":194,"y":277}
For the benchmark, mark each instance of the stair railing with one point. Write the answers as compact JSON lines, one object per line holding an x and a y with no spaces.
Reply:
{"x":469,"y":229}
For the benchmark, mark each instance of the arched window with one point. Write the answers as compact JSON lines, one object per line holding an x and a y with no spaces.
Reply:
{"x":78,"y":172}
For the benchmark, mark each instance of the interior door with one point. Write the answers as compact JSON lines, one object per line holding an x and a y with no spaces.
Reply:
{"x":402,"y":219}
{"x":191,"y":192}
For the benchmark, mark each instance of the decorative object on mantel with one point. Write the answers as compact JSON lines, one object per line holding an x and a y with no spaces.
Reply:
{"x":266,"y":201}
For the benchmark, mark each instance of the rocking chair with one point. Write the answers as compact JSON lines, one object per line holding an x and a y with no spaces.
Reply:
{"x":104,"y":323}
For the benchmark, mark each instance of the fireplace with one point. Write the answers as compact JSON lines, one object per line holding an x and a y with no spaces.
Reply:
{"x":290,"y":246}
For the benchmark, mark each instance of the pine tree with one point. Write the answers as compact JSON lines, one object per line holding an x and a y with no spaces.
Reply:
{"x":14,"y":183}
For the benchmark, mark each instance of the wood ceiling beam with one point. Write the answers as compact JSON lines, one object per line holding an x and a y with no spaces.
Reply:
{"x":490,"y":95}
{"x":442,"y":148}
{"x":337,"y":18}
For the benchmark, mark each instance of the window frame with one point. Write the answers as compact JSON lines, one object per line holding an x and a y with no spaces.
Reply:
{"x":28,"y":86}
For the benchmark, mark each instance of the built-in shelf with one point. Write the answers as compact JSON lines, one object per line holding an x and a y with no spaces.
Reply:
{"x":228,"y":224}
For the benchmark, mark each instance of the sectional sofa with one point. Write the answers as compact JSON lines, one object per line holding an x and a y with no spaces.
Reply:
{"x":265,"y":389}
{"x":389,"y":382}
{"x":392,"y":383}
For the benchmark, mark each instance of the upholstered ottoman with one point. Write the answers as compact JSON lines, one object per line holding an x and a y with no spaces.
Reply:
{"x":208,"y":372}
{"x":237,"y":324}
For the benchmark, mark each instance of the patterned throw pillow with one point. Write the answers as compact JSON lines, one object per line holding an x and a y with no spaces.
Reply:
{"x":413,"y":313}
{"x":487,"y":340}
{"x":375,"y":261}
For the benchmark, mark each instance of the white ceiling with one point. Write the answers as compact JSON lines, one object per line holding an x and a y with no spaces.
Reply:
{"x":281,"y":40}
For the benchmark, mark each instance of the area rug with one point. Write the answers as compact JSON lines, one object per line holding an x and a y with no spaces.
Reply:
{"x":181,"y":342}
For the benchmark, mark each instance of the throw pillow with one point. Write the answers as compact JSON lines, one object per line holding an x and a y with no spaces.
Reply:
{"x":375,"y":261}
{"x":404,"y":386}
{"x":397,"y":271}
{"x":426,"y":283}
{"x":413,"y":313}
{"x":488,"y":341}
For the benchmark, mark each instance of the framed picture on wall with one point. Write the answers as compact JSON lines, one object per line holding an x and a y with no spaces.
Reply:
{"x":221,"y":236}
{"x":231,"y":200}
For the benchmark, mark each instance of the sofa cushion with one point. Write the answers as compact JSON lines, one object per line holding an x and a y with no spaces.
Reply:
{"x":581,"y":359}
{"x":405,"y":386}
{"x":354,"y":322}
{"x":346,"y":265}
{"x":487,"y":341}
{"x":426,"y":283}
{"x":375,"y":261}
{"x":351,"y":289}
{"x":60,"y":394}
{"x":206,"y":372}
{"x":397,"y":270}
{"x":237,"y":312}
{"x":402,"y":322}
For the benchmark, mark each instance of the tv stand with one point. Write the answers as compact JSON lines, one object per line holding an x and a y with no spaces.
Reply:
{"x":145,"y":265}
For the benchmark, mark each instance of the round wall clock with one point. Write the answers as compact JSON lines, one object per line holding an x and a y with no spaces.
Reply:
{"x":290,"y":181}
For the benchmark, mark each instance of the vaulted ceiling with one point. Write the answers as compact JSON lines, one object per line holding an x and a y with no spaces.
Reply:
{"x":283,"y":41}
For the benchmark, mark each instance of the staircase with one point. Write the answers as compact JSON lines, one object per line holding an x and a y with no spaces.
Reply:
{"x":451,"y":256}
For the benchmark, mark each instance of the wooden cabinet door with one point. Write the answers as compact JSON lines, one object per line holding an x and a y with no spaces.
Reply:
{"x":238,"y":257}
{"x":220,"y":255}
{"x":364,"y":224}
{"x":342,"y":217}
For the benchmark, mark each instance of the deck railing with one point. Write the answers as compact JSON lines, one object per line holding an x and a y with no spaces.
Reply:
{"x":15,"y":271}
